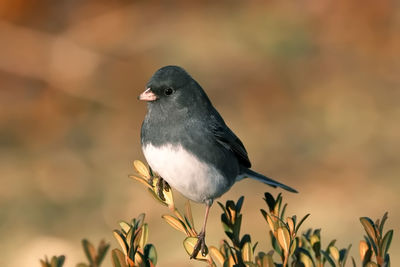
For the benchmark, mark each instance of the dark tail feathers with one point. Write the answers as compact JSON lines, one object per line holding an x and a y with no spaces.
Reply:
{"x":259,"y":177}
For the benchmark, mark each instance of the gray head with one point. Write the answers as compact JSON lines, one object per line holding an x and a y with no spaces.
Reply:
{"x":172,"y":86}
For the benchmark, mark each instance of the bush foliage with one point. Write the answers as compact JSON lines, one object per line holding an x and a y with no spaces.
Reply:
{"x":289,"y":246}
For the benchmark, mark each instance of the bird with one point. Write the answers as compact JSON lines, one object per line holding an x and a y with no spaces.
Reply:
{"x":186,"y":141}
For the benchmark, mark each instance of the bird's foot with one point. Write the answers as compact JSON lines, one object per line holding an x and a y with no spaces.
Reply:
{"x":161,"y":186}
{"x":200,"y":246}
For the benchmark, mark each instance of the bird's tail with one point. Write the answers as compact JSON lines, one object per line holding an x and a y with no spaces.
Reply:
{"x":259,"y":177}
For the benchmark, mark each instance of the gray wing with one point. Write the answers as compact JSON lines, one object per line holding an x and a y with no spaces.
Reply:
{"x":225,"y":137}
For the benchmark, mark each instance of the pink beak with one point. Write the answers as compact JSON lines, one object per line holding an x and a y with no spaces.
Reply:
{"x":147,"y":95}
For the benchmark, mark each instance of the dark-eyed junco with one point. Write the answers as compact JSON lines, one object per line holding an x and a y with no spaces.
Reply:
{"x":186,"y":141}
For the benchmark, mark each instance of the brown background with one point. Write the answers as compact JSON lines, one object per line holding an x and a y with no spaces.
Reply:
{"x":311,"y":88}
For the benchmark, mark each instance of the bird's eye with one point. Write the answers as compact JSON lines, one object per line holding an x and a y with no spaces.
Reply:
{"x":168,"y":91}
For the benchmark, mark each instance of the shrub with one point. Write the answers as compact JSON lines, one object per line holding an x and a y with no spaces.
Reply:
{"x":292,"y":247}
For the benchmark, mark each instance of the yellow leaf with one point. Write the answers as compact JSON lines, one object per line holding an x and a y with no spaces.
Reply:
{"x":334,"y":252}
{"x":290,"y":223}
{"x":305,"y":260}
{"x":314,"y":239}
{"x":141,"y":168}
{"x":247,"y":252}
{"x":371,"y":264}
{"x":144,"y":236}
{"x":175,"y":223}
{"x":125,"y":227}
{"x":121,"y":242}
{"x":283,"y":238}
{"x":216,"y":255}
{"x":169,"y":199}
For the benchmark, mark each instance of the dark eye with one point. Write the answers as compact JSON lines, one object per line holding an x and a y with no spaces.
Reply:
{"x":168,"y":91}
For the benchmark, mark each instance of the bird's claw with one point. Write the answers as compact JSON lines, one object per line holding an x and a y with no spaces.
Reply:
{"x":200,"y":246}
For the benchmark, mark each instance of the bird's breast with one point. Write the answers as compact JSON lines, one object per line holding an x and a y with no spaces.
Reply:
{"x":195,"y":179}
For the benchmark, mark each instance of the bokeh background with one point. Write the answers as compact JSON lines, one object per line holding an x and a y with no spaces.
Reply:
{"x":311,"y":87}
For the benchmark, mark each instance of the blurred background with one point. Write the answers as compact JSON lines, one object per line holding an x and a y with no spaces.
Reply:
{"x":311,"y":87}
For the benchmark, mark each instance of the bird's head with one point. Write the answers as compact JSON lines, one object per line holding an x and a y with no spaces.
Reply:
{"x":173,"y":85}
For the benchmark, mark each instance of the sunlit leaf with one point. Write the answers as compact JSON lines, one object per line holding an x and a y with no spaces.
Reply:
{"x":124,"y":227}
{"x":141,"y":168}
{"x":371,"y":264}
{"x":290,"y":223}
{"x":369,"y":227}
{"x":363,"y":248}
{"x":216,"y":255}
{"x":247,"y":252}
{"x":121,"y":241}
{"x":175,"y":223}
{"x":334,"y":252}
{"x":283,"y":238}
{"x":144,"y":236}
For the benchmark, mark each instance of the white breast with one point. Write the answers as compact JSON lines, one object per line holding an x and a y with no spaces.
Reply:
{"x":185,"y":172}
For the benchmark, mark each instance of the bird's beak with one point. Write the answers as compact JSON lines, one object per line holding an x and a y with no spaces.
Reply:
{"x":147,"y":95}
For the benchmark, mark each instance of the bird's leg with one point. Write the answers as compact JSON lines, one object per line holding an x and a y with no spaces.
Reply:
{"x":201,"y":242}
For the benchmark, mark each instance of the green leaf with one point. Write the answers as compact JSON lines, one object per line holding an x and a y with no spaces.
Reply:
{"x":236,"y":227}
{"x":90,"y":251}
{"x":344,"y":253}
{"x":328,"y":258}
{"x":102,"y":251}
{"x":150,"y":253}
{"x":301,"y":222}
{"x":387,"y":239}
{"x":239,"y":204}
{"x":382,"y":224}
{"x":283,"y":212}
{"x":275,"y":245}
{"x":269,"y":199}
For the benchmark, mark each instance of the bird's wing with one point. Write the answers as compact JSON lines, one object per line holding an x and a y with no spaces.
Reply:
{"x":229,"y":140}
